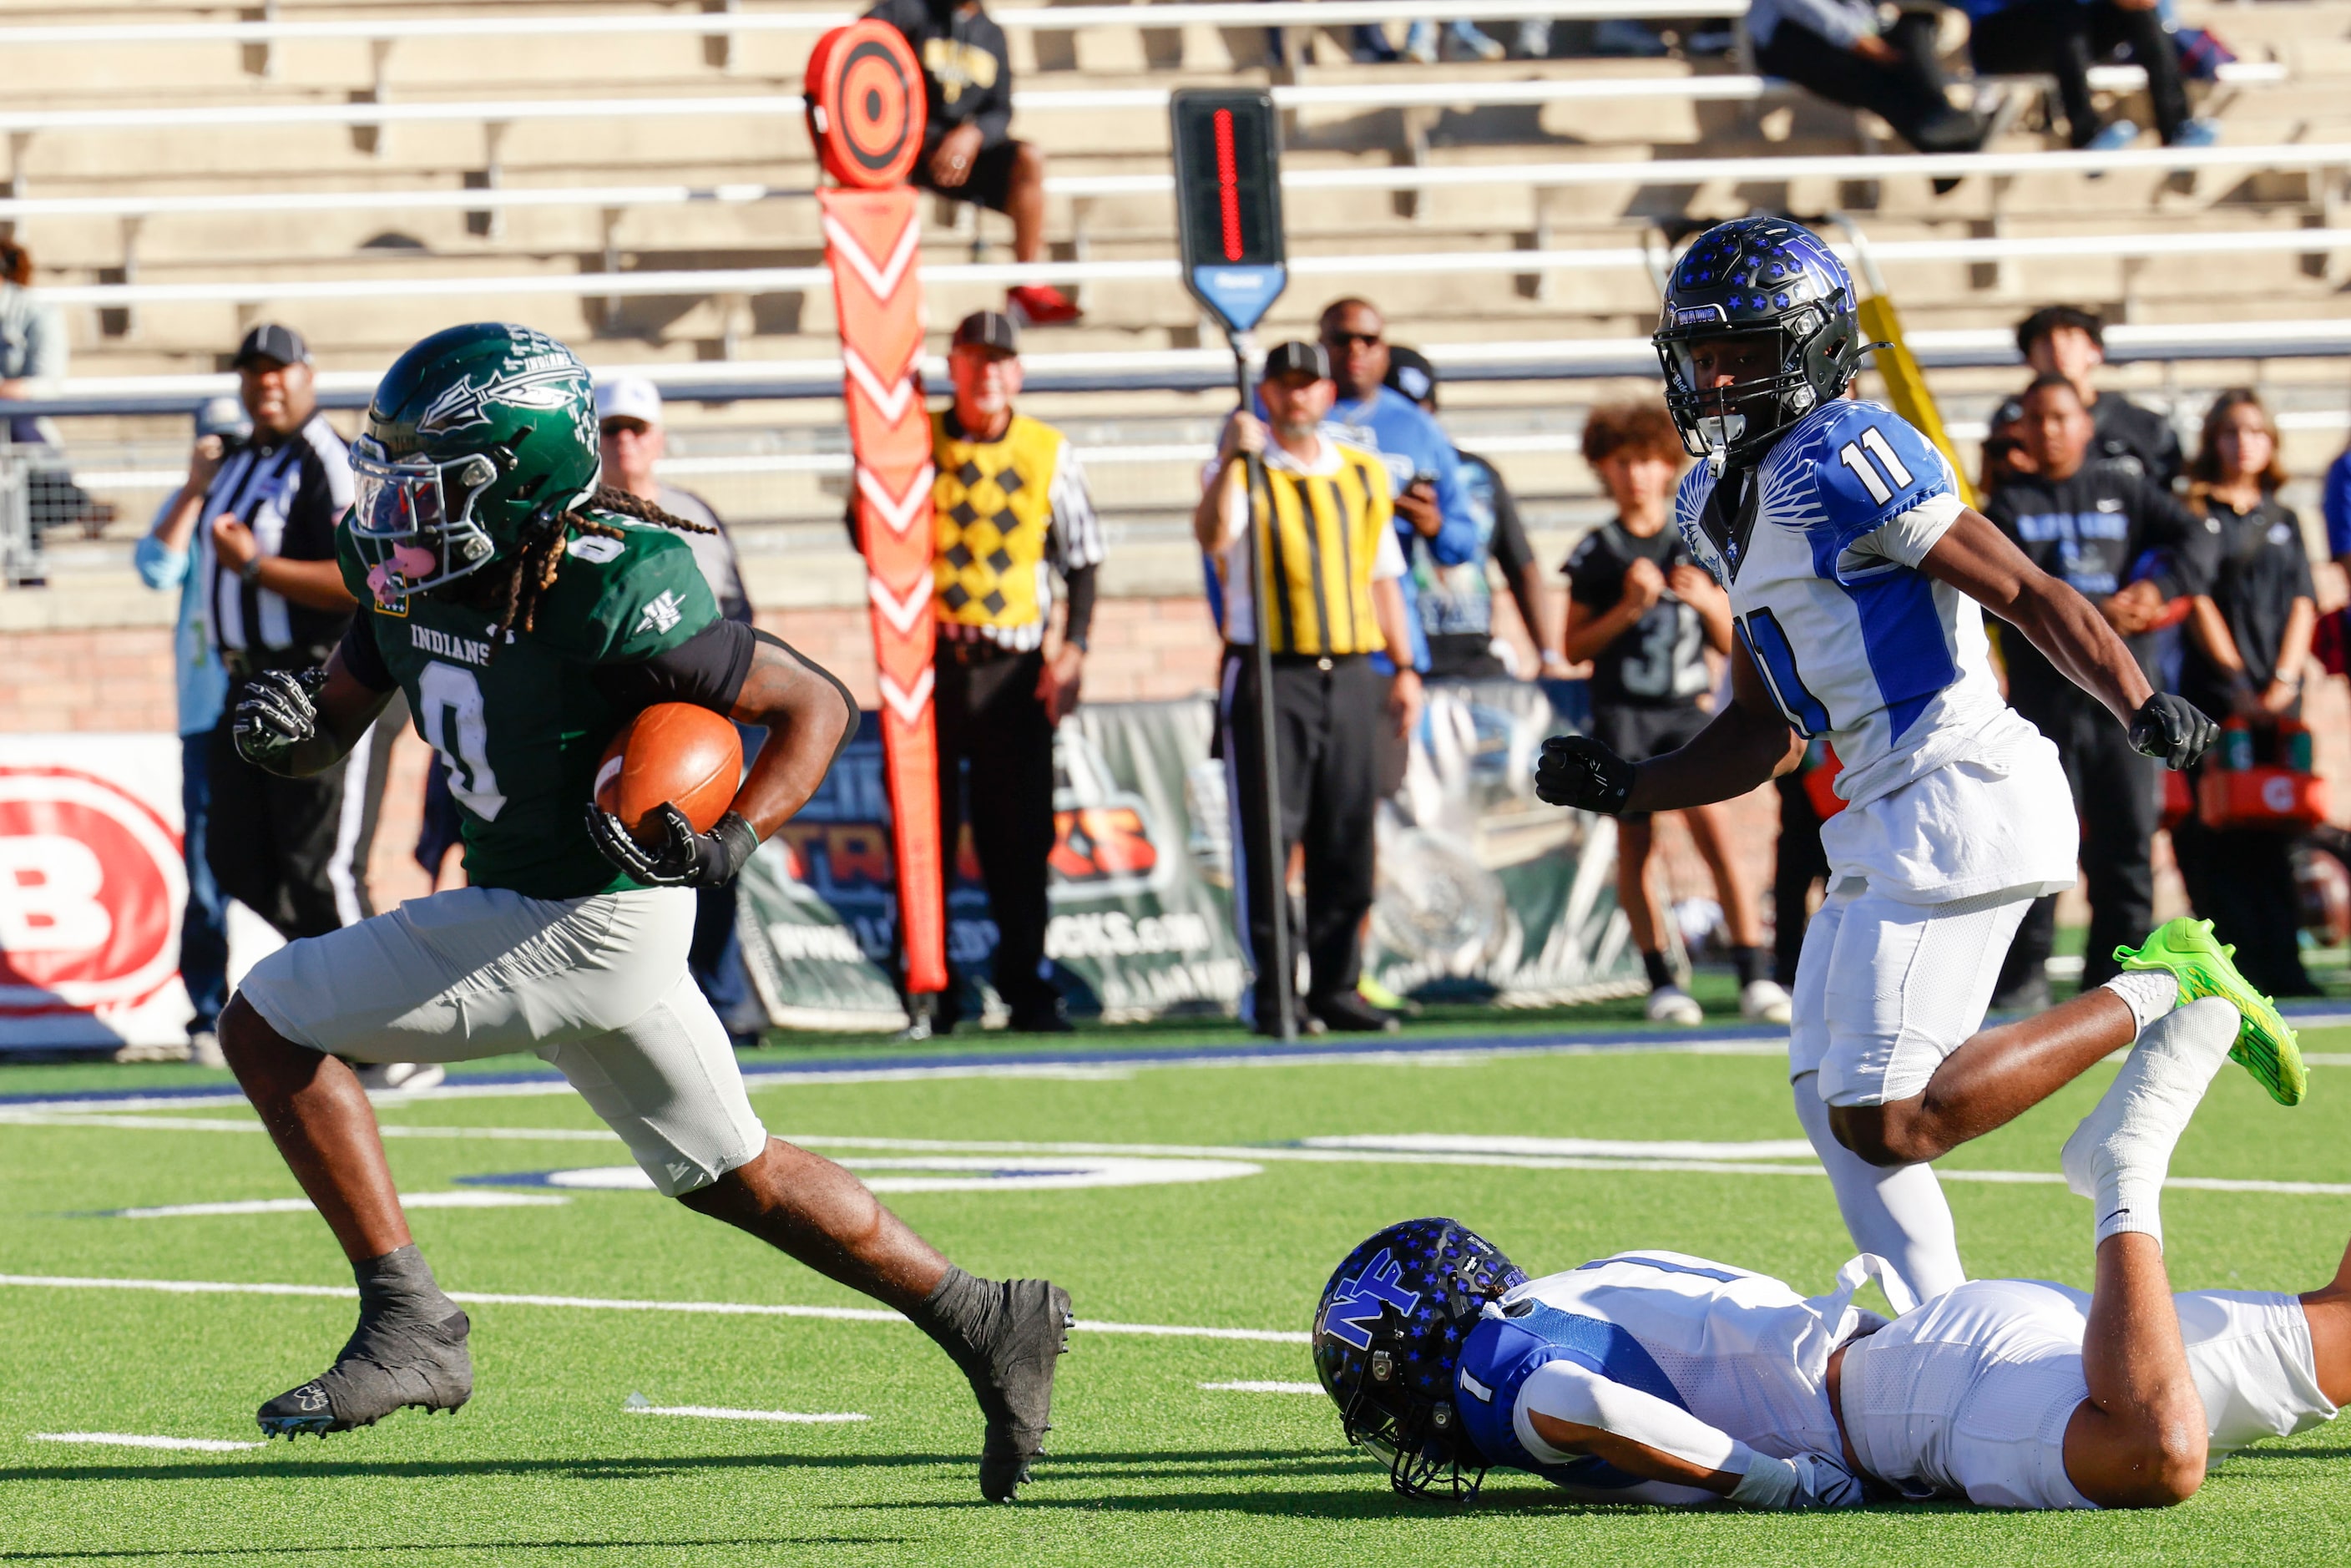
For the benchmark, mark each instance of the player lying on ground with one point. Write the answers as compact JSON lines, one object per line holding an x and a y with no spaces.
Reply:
{"x":1652,"y":1377}
{"x":1858,"y":584}
{"x":527,"y":612}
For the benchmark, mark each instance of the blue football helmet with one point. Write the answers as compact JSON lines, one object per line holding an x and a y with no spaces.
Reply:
{"x":1774,"y":281}
{"x":1387,"y":1339}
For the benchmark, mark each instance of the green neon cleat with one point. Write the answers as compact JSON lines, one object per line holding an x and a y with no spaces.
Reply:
{"x":2265,"y":1046}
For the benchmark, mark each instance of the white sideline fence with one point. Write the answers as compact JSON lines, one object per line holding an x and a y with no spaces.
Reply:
{"x":1731,"y":87}
{"x":2281,"y":156}
{"x":709,"y":281}
{"x":1210,"y":369}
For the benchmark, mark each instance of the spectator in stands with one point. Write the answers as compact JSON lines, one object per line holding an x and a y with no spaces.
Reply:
{"x":2130,"y":549}
{"x":1457,"y":602}
{"x":2069,"y":341}
{"x":1838,"y":50}
{"x":2334,"y":505}
{"x":167,"y":557}
{"x":1643,"y":612}
{"x":968,"y":153}
{"x":1461,"y":38}
{"x":2064,"y":39}
{"x":634,"y":442}
{"x":2247,"y":643}
{"x":1432,"y":504}
{"x":2003,"y":456}
{"x":32,"y":355}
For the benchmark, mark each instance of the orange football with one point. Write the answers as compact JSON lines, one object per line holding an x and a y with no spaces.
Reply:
{"x":675,"y":752}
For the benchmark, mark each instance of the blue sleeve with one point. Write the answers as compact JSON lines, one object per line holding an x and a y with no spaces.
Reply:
{"x":1860,"y":481}
{"x":159,"y":569}
{"x":2338,"y":507}
{"x":1456,"y":542}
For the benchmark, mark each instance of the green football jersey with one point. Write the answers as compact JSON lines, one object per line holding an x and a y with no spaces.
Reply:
{"x":521,"y":730}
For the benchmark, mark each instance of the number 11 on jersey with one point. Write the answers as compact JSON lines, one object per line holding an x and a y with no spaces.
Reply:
{"x":1872,"y":462}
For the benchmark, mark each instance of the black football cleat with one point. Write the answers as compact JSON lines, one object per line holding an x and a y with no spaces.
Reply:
{"x":1012,"y":1374}
{"x":390,"y":1363}
{"x":1344,"y":1012}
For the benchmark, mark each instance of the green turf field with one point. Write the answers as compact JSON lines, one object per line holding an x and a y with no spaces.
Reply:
{"x":548,"y":1464}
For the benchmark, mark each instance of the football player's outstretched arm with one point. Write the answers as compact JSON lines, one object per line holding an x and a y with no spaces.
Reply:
{"x":1578,"y":1411}
{"x":1974,"y":556}
{"x":809,"y":716}
{"x":1748,"y":743}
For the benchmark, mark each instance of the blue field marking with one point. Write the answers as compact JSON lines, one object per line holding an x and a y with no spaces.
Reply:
{"x":1546,"y":1042}
{"x":2316,"y":1014}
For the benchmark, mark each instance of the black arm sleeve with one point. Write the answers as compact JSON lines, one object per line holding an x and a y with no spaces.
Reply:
{"x":1080,"y":620}
{"x":362,"y":658}
{"x":707,"y":669}
{"x":847,"y":701}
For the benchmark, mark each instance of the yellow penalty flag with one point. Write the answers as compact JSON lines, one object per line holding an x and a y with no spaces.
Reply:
{"x":1906,"y":386}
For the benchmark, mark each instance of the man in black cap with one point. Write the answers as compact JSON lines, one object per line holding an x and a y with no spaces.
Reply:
{"x":294,"y":851}
{"x":1457,"y":602}
{"x":2069,"y":341}
{"x":1321,"y":523}
{"x":1011,"y":509}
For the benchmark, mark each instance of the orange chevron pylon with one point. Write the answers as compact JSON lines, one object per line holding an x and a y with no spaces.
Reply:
{"x":872,"y":243}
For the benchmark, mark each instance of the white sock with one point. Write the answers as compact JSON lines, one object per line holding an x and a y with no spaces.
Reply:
{"x":2118,"y":1156}
{"x":2150,"y":994}
{"x":1899,"y":1212}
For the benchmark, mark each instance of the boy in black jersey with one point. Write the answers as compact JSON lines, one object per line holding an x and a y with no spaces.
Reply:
{"x":1643,"y":613}
{"x":2123,"y":543}
{"x":2067,"y":340}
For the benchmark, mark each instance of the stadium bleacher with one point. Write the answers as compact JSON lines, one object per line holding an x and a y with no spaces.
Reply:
{"x":633,"y":177}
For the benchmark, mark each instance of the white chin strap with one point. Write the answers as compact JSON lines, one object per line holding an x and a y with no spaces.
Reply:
{"x":1719,"y":432}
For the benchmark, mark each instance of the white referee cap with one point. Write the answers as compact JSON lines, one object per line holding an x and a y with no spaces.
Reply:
{"x":630,"y":397}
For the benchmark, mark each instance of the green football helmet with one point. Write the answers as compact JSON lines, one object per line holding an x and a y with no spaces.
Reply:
{"x":477,"y":438}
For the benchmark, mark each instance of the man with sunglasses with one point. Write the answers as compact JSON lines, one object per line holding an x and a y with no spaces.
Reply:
{"x":1858,"y":581}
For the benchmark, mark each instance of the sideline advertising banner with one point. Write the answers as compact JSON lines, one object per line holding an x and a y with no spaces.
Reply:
{"x":1485,"y":894}
{"x":91,"y":886}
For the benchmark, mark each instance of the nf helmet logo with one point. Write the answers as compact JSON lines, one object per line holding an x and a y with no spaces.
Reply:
{"x":90,"y":878}
{"x":1359,"y":1303}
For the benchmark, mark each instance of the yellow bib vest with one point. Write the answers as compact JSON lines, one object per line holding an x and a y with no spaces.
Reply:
{"x":1317,"y":558}
{"x":992,"y":503}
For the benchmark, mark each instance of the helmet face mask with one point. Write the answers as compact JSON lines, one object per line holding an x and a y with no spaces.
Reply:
{"x":1770,"y":284}
{"x":1387,"y":1339}
{"x":413,"y":520}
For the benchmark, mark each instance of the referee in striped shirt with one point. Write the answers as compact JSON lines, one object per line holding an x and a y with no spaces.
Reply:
{"x":1334,"y":571}
{"x":294,"y":851}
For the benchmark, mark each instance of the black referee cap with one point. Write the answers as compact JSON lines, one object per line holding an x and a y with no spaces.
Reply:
{"x":1295,"y":358}
{"x":989,"y":329}
{"x":272,"y":340}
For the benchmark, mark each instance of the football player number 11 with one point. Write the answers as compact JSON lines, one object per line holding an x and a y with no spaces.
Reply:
{"x":1872,"y":462}
{"x":452,"y":699}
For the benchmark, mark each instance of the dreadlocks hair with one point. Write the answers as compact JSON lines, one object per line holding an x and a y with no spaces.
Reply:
{"x":541,"y":556}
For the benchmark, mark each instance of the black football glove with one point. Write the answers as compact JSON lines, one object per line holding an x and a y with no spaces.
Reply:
{"x":1577,"y":771}
{"x":278,"y":712}
{"x":2173,"y":730}
{"x":683,"y":858}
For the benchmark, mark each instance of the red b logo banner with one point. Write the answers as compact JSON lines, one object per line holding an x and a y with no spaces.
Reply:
{"x":864,"y":92}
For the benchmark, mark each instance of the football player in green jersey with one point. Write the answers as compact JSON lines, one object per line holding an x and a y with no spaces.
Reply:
{"x":527,"y":612}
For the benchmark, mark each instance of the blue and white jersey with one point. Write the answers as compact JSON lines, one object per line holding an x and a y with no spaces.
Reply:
{"x":1741,"y":1352}
{"x":1820,"y":552}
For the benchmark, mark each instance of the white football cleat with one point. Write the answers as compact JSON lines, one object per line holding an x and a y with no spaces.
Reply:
{"x":400,"y":1077}
{"x":1671,"y":1004}
{"x":1765,"y":1001}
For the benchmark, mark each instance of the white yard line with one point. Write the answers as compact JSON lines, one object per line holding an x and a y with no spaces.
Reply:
{"x":131,"y":1441}
{"x":719,"y":1413}
{"x":597,"y":1303}
{"x":1249,"y":1387}
{"x":478,"y":1199}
